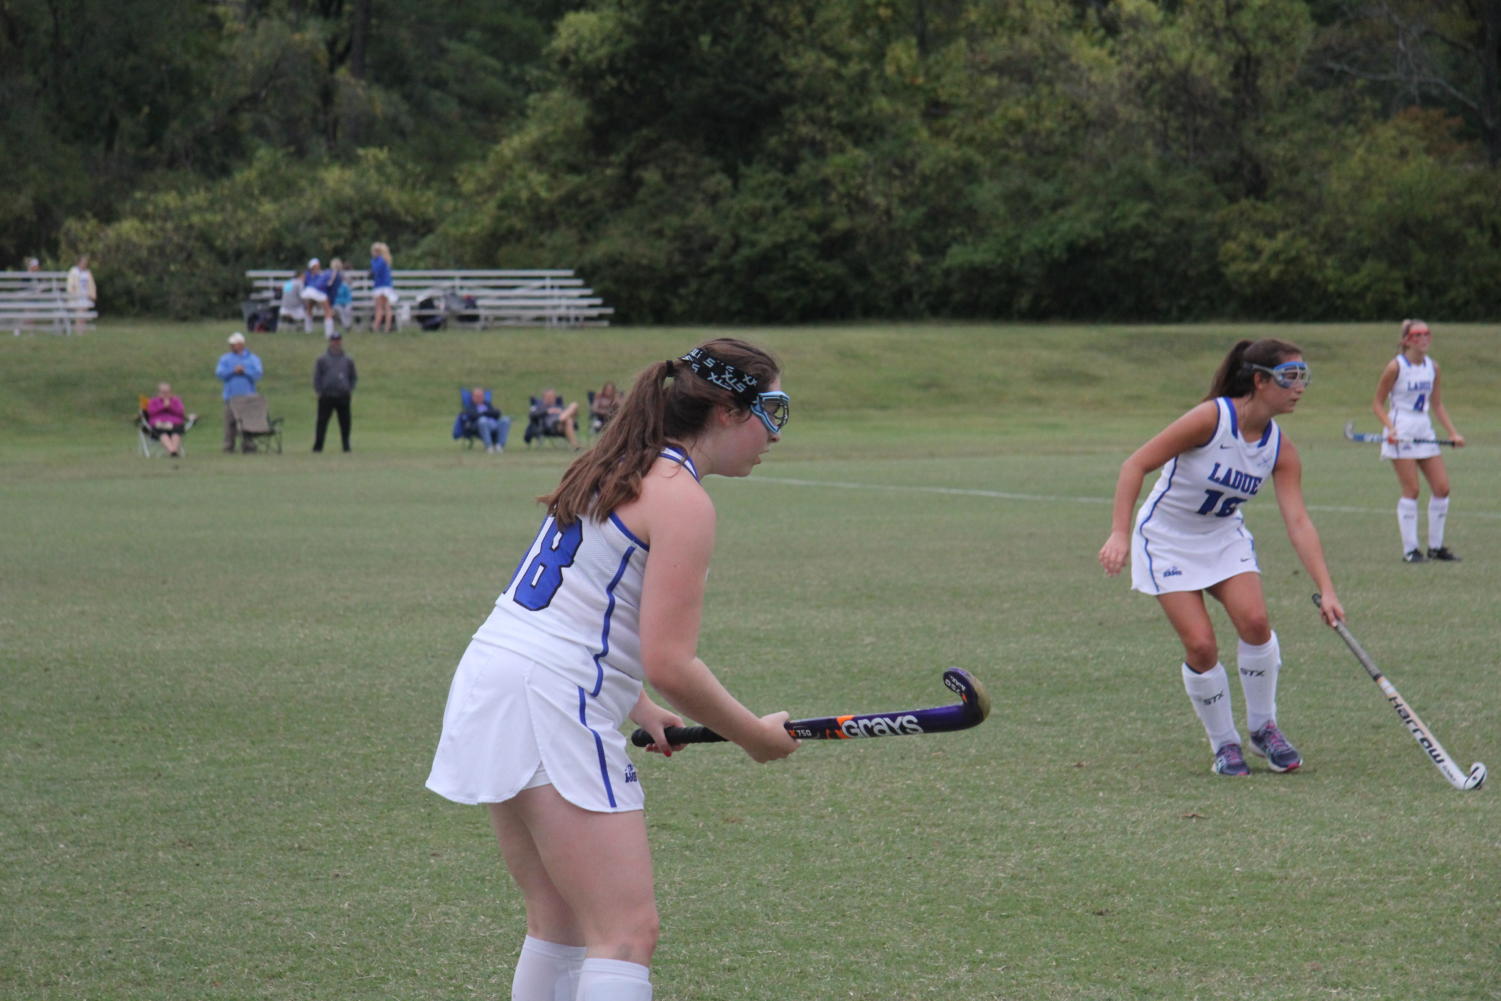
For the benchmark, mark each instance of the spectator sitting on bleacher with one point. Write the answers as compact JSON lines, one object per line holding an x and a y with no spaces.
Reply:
{"x":315,"y":296}
{"x":341,"y":295}
{"x":291,"y":300}
{"x":382,"y":287}
{"x":555,"y":419}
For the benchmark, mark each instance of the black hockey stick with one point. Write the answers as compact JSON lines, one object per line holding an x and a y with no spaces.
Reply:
{"x":971,"y":709}
{"x":1425,"y":738}
{"x":1379,"y":436}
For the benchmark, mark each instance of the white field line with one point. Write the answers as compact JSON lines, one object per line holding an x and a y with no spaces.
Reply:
{"x":1050,"y":498}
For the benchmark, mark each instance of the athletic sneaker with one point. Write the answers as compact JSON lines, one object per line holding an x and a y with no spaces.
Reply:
{"x":1414,"y":556}
{"x":1229,"y":761}
{"x":1442,"y":553}
{"x":1269,"y":743}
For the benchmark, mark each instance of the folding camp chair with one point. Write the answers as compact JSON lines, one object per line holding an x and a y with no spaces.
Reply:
{"x":540,"y":428}
{"x":255,"y":423}
{"x":466,"y":426}
{"x":146,"y":435}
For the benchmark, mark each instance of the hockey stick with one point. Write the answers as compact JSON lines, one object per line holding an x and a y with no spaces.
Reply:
{"x":1379,"y":436}
{"x":971,"y":709}
{"x":1425,"y":738}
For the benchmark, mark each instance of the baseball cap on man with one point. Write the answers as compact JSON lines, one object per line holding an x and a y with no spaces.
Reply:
{"x":237,"y":338}
{"x":314,"y":263}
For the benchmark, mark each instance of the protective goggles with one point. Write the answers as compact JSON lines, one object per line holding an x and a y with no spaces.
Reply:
{"x":1288,"y":374}
{"x":774,"y":409}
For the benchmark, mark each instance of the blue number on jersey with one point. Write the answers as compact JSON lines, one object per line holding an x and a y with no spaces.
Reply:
{"x":1212,"y":497}
{"x":544,"y":576}
{"x":1420,"y":403}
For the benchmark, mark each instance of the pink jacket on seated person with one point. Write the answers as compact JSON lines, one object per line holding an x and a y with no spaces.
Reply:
{"x":165,"y":411}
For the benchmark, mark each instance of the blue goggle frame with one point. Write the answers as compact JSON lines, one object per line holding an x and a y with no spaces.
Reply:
{"x":1288,"y":374}
{"x":774,"y":409}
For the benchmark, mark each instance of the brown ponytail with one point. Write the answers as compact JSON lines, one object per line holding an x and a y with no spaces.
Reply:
{"x":667,"y":404}
{"x":1235,"y":376}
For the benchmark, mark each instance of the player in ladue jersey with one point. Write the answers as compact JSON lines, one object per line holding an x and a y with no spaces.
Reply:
{"x":1406,"y":394}
{"x":609,"y":595}
{"x":1190,"y":539}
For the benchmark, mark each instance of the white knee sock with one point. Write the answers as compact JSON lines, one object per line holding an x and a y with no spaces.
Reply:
{"x":614,"y":980}
{"x":1407,"y":522}
{"x":1438,"y":513}
{"x":546,"y":971}
{"x":1210,"y":694}
{"x":1258,"y":680}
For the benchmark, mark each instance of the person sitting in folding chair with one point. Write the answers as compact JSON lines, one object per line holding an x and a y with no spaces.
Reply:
{"x":163,"y":420}
{"x":481,"y":421}
{"x":550,"y":417}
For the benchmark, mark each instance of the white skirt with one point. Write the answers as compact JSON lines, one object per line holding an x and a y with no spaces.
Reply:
{"x":509,"y":716}
{"x":1162,"y":562}
{"x":1411,"y":426}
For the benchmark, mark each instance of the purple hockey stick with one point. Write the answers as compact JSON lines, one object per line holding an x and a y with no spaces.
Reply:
{"x":971,"y":709}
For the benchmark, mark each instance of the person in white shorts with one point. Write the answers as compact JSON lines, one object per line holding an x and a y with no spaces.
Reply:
{"x":1190,"y":539}
{"x":383,"y":294}
{"x":1406,"y":395}
{"x":609,"y":595}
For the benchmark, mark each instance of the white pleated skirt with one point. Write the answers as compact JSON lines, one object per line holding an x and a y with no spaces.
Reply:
{"x":509,"y":716}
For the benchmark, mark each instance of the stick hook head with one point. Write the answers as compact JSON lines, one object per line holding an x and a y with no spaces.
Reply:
{"x":969,"y":690}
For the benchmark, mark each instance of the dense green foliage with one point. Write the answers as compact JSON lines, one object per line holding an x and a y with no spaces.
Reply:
{"x":776,"y":160}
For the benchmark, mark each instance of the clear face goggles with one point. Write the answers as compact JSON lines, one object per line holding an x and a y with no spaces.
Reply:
{"x":774,"y":409}
{"x":1288,"y":374}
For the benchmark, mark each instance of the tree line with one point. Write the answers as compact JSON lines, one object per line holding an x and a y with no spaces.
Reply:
{"x":774,"y":160}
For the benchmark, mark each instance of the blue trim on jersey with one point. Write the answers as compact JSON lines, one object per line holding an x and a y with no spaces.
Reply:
{"x":682,"y":459}
{"x":1234,"y":419}
{"x":1146,"y":544}
{"x":615,"y":520}
{"x":599,"y":745}
{"x":604,"y":632}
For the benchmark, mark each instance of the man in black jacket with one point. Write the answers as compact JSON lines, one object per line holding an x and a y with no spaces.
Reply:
{"x":334,"y":378}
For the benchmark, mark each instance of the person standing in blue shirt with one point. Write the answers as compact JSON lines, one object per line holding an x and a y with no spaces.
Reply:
{"x":384,"y":292}
{"x":239,"y":370}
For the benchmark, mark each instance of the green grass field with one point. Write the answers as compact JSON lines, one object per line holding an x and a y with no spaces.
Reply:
{"x":223,"y":679}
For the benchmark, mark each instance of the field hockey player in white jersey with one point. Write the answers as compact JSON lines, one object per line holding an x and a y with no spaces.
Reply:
{"x":609,"y":595}
{"x":1406,"y":395}
{"x":1190,"y":539}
